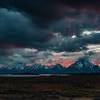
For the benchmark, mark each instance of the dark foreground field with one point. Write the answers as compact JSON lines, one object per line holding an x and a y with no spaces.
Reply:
{"x":50,"y":87}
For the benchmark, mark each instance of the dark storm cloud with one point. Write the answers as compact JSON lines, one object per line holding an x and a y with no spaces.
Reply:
{"x":92,"y":39}
{"x":42,"y":11}
{"x":45,"y":11}
{"x":17,"y":29}
{"x":73,"y":43}
{"x":62,"y":43}
{"x":31,"y":23}
{"x":76,"y":21}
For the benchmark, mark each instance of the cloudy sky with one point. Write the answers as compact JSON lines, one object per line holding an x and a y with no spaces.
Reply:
{"x":49,"y":31}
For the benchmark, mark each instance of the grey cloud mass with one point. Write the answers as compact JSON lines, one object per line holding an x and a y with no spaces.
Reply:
{"x":35,"y":26}
{"x":16,"y":28}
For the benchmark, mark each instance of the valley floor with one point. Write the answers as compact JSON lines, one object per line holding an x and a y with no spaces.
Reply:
{"x":78,"y":87}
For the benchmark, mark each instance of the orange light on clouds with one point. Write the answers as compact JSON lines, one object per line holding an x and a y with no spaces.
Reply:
{"x":64,"y":63}
{"x":96,"y":62}
{"x":67,"y":63}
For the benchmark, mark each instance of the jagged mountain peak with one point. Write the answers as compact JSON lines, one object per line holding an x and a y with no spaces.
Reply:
{"x":83,"y":66}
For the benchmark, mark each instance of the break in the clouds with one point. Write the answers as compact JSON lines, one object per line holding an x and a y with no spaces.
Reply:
{"x":34,"y":24}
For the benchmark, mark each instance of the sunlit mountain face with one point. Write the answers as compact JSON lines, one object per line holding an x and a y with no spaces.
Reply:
{"x":49,"y":32}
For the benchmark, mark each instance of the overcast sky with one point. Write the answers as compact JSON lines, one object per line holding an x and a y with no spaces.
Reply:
{"x":31,"y":30}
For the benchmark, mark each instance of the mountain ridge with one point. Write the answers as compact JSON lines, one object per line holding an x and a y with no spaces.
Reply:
{"x":80,"y":66}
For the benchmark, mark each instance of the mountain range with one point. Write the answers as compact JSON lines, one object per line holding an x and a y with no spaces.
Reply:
{"x":80,"y":66}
